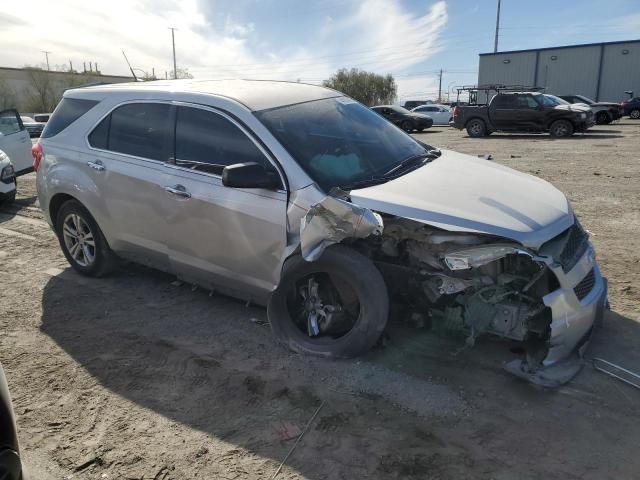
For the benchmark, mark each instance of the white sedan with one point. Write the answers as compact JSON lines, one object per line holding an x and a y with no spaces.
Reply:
{"x":441,"y":114}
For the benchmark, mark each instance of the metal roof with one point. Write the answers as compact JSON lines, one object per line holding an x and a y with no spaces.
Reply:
{"x":254,"y":94}
{"x":597,"y":44}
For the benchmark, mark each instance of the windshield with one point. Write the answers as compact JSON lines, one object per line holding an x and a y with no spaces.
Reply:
{"x":338,"y":141}
{"x":552,"y":100}
{"x":399,"y":109}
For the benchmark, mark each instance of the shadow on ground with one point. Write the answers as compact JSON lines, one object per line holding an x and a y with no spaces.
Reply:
{"x":202,"y":362}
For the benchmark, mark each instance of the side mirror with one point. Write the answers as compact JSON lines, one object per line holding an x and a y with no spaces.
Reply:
{"x":249,"y":175}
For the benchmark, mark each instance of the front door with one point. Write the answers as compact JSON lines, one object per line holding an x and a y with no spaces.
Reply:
{"x":15,"y":141}
{"x":531,"y":114}
{"x":226,"y":238}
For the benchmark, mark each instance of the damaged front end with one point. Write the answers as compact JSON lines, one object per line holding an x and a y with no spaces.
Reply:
{"x":470,"y":284}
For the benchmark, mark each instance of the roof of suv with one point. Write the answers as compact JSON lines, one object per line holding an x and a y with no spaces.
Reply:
{"x":254,"y":94}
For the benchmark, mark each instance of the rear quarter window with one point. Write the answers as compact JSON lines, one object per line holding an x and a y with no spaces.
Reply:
{"x":67,"y":112}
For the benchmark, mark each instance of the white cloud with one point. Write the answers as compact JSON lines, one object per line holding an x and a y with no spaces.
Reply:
{"x":390,"y":37}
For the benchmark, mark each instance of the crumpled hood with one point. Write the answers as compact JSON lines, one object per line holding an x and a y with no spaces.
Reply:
{"x":574,"y":107}
{"x":459,"y":192}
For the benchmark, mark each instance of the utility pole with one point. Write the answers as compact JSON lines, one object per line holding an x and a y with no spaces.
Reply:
{"x":495,"y":43}
{"x":46,"y":55}
{"x":70,"y":66}
{"x":173,"y":41}
{"x":440,"y":88}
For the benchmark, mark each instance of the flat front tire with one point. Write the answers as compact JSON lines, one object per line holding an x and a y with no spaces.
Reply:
{"x":334,"y":307}
{"x":561,"y":128}
{"x":476,"y":128}
{"x":82,"y":241}
{"x":407,"y":126}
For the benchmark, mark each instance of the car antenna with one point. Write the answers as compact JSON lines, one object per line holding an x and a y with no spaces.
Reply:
{"x":132,"y":72}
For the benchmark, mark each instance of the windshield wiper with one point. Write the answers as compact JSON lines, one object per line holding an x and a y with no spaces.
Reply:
{"x":429,"y":155}
{"x":370,"y":182}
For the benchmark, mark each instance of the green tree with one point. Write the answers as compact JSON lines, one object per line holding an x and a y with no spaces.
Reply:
{"x":366,"y":87}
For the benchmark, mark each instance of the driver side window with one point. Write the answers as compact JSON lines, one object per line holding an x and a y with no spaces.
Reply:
{"x":208,"y":142}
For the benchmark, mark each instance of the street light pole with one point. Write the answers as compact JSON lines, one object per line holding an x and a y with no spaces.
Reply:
{"x":495,"y":42}
{"x":173,"y":41}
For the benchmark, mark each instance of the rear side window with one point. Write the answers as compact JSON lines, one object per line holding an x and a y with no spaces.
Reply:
{"x":504,"y":101}
{"x":209,"y":142}
{"x":67,"y":112}
{"x":138,"y":129}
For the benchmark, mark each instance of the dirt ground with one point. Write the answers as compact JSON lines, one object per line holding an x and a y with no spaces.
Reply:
{"x":134,"y":377}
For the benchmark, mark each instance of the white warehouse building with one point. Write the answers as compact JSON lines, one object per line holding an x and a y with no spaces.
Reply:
{"x":601,"y":71}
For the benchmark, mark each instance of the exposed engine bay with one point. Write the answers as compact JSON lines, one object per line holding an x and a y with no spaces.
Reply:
{"x":466,"y":283}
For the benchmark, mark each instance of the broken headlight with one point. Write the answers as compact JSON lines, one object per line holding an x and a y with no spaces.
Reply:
{"x":478,"y":256}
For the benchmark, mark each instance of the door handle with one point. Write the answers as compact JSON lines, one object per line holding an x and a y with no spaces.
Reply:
{"x":178,"y":190}
{"x":97,"y":165}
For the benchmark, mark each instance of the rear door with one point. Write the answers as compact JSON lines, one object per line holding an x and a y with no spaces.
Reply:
{"x":228,"y":238}
{"x":15,"y":141}
{"x":129,"y":150}
{"x":503,"y":112}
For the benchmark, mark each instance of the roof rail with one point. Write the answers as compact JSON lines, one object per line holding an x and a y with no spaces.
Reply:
{"x":499,"y":87}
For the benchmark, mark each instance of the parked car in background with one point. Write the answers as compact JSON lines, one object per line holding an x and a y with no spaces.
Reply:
{"x":631,"y":107}
{"x":523,"y":112}
{"x":10,"y":464}
{"x":7,"y":181}
{"x":604,"y":112}
{"x":411,"y":104}
{"x":15,"y":142}
{"x":403,"y":118}
{"x":440,"y":114}
{"x":303,"y":199}
{"x":42,"y":117}
{"x":34,"y":128}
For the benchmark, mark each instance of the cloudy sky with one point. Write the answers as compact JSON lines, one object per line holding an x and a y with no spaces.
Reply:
{"x":306,"y":40}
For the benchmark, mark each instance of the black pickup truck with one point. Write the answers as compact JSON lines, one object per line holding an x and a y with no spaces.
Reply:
{"x":523,"y":112}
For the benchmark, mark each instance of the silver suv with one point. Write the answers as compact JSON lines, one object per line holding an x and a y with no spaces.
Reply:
{"x":300,"y":198}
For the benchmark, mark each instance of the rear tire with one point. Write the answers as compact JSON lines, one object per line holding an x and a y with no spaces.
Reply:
{"x":561,"y":129}
{"x":407,"y":126}
{"x":603,"y":118}
{"x":476,"y":128}
{"x":82,"y":241}
{"x":635,"y":114}
{"x":359,"y":281}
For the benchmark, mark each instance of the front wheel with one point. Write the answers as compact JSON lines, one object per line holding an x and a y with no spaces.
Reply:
{"x":602,"y":118}
{"x":82,"y":241}
{"x":635,"y":114}
{"x":476,"y":128}
{"x":335,"y":307}
{"x":561,"y":128}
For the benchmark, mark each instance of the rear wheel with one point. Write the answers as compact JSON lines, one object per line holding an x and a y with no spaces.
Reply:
{"x":603,"y":118}
{"x":476,"y":128}
{"x":561,"y":128}
{"x":635,"y":114}
{"x":335,"y":307}
{"x":407,"y":126}
{"x":82,"y":241}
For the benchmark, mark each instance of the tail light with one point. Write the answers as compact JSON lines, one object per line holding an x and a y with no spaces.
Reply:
{"x":455,"y":111}
{"x":36,"y":153}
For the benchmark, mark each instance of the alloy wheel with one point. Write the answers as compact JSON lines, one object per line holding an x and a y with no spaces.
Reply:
{"x":319,"y":310}
{"x":79,"y":240}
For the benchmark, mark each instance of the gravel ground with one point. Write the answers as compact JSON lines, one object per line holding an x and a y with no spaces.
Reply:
{"x":133,"y":377}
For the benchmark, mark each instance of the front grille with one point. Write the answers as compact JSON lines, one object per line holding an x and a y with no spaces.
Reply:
{"x":585,"y":286}
{"x":576,"y":244}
